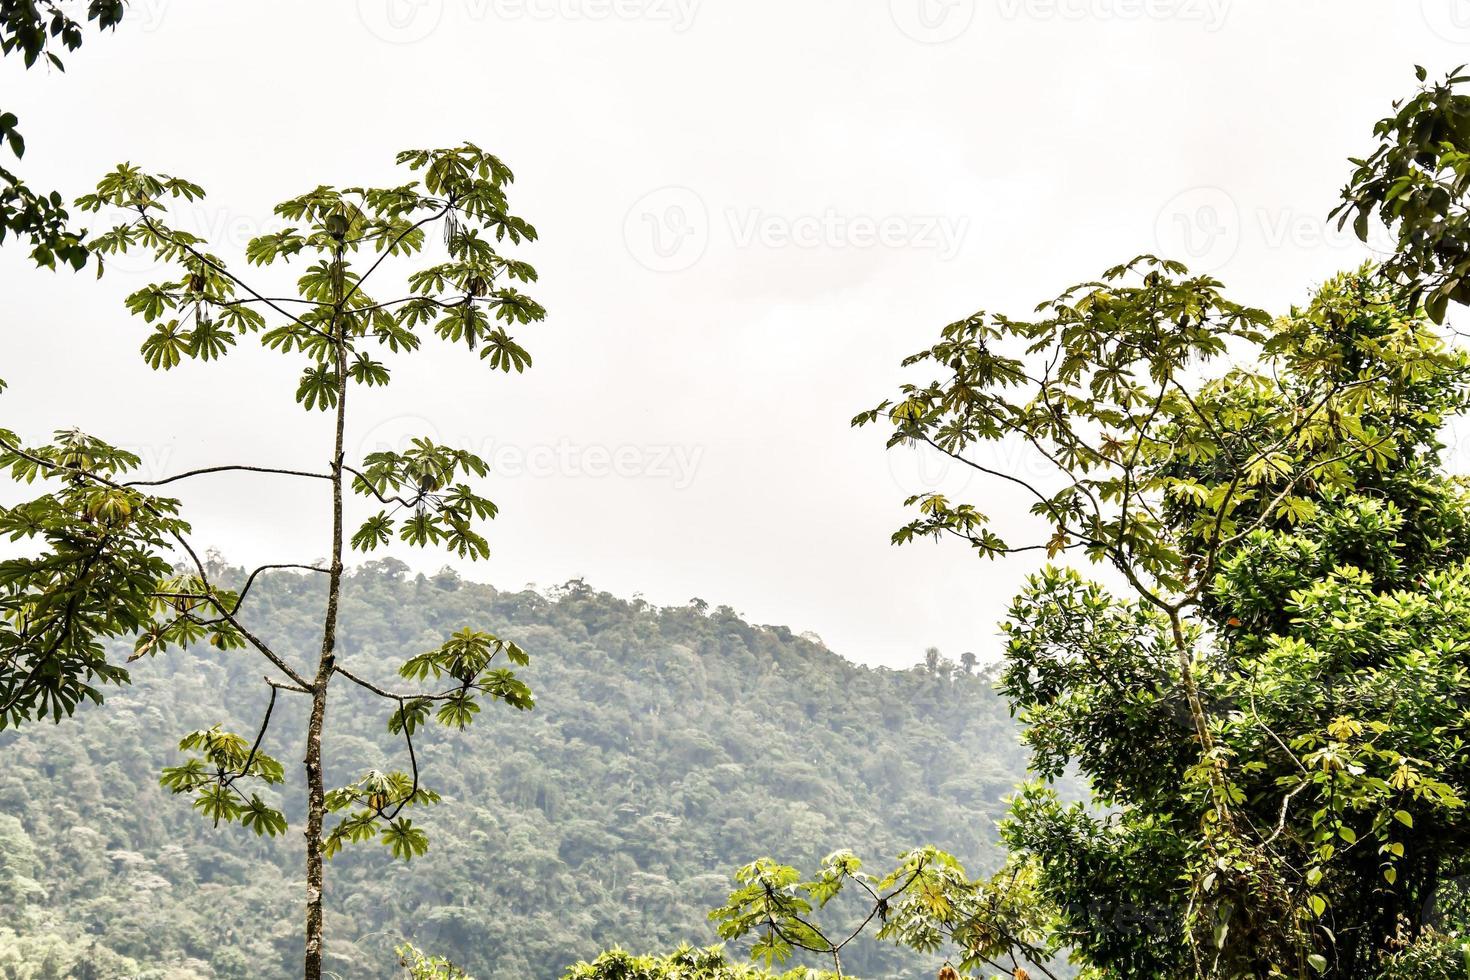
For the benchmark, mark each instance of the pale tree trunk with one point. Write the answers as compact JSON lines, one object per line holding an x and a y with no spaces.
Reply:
{"x":1199,"y":717}
{"x":315,"y":813}
{"x":316,"y":786}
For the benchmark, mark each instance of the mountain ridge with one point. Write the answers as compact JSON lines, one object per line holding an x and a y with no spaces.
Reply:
{"x":669,"y":745}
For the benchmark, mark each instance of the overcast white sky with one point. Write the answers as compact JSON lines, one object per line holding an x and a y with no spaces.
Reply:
{"x":750,"y":211}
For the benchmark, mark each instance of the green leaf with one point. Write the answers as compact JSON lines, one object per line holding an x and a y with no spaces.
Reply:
{"x":404,"y":840}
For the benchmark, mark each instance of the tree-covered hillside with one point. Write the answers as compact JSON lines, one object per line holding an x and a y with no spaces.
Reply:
{"x":668,"y":746}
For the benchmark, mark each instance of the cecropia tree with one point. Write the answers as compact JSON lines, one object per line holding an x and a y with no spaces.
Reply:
{"x":103,"y":540}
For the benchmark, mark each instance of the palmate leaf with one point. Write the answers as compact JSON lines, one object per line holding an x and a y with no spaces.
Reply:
{"x":379,"y":797}
{"x":318,"y":388}
{"x":207,"y":341}
{"x":410,"y":717}
{"x":390,"y":334}
{"x":504,"y":686}
{"x":354,"y":829}
{"x":460,"y":539}
{"x":505,"y":354}
{"x":404,"y":840}
{"x":365,"y":370}
{"x":265,"y":249}
{"x":217,"y":804}
{"x":374,"y":532}
{"x":241,"y":319}
{"x":421,"y":530}
{"x":457,"y":712}
{"x":513,"y":306}
{"x":463,"y":322}
{"x":186,"y":778}
{"x":262,"y":819}
{"x":166,"y":346}
{"x":465,"y":501}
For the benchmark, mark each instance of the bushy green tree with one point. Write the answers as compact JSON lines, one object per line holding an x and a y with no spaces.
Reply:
{"x":927,"y":903}
{"x":418,"y":965}
{"x":686,"y":963}
{"x":103,"y":534}
{"x":1271,"y":712}
{"x":1414,"y":183}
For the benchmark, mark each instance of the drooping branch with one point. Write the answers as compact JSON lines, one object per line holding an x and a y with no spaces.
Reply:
{"x":206,"y":260}
{"x":399,"y":697}
{"x":381,"y":498}
{"x":229,"y":617}
{"x":182,"y":541}
{"x":448,"y":207}
{"x":250,"y":579}
{"x":259,"y":736}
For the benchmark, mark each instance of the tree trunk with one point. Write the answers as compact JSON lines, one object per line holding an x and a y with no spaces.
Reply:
{"x":1199,"y":717}
{"x":315,"y":813}
{"x":316,"y":787}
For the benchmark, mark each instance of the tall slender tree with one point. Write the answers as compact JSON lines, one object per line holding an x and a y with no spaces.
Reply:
{"x":105,"y":537}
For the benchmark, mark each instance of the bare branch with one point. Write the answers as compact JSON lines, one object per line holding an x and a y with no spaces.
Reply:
{"x":226,"y":469}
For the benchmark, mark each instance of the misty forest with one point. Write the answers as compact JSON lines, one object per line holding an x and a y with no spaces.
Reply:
{"x":1220,"y":731}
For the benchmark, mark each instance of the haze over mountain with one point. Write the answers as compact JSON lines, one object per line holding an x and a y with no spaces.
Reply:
{"x":668,"y":746}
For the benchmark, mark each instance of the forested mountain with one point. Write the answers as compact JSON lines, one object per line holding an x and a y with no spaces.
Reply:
{"x":668,"y":746}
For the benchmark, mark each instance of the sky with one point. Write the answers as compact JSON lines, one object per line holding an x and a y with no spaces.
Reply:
{"x":750,"y":211}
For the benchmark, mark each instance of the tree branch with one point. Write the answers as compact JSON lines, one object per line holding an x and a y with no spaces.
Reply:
{"x":225,"y":469}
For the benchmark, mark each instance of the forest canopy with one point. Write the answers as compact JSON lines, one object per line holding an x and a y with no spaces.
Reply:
{"x":669,"y":745}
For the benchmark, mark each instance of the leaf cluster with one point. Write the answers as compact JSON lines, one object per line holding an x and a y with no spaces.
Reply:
{"x":96,"y":576}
